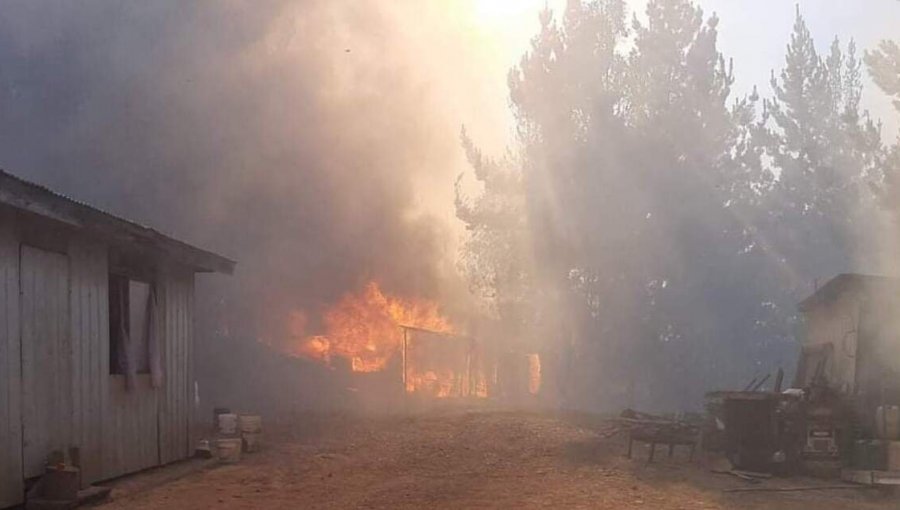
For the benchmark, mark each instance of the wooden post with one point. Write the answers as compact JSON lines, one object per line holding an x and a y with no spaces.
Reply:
{"x":469,"y":385}
{"x":404,"y":353}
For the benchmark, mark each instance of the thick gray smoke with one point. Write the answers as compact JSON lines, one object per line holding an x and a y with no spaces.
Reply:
{"x":299,"y":138}
{"x":288,"y":135}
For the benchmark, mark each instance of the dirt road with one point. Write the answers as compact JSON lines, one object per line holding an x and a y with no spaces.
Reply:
{"x":470,"y":460}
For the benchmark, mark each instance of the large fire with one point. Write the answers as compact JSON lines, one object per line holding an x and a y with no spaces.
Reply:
{"x":374,"y":331}
{"x":369,"y":330}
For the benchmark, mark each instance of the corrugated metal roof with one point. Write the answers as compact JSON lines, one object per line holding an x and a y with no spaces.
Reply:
{"x":843,"y":283}
{"x":38,"y":199}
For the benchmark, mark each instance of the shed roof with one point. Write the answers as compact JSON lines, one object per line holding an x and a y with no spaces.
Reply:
{"x":847,"y":282}
{"x":40,"y":200}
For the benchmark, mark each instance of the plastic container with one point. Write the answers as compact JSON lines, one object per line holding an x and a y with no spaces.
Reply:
{"x":216,"y":412}
{"x":893,"y":456}
{"x":887,"y":422}
{"x":871,"y":454}
{"x":250,"y":423}
{"x":203,"y":450}
{"x":229,"y":450}
{"x":228,"y":424}
{"x":252,"y":441}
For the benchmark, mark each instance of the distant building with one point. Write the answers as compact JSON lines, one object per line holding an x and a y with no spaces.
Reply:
{"x":96,"y":334}
{"x":851,"y":340}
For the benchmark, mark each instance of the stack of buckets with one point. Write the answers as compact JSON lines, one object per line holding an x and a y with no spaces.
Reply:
{"x":229,"y":443}
{"x":883,"y":453}
{"x":251,"y":432}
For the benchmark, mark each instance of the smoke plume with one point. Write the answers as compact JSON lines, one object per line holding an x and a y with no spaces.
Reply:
{"x":314,"y":142}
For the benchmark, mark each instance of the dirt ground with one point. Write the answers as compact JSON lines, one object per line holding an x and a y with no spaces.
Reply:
{"x":472,"y":459}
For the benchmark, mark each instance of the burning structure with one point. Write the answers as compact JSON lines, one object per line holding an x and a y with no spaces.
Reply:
{"x":442,"y":364}
{"x":96,"y":339}
{"x":407,"y":341}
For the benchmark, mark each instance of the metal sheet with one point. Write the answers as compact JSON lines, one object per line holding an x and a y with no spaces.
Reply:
{"x":46,"y":356}
{"x":11,"y":486}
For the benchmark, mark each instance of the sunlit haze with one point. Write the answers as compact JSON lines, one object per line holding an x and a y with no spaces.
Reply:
{"x":416,"y":254}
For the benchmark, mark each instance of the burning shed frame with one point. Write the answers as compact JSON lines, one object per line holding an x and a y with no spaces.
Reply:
{"x":96,"y":338}
{"x":442,"y":365}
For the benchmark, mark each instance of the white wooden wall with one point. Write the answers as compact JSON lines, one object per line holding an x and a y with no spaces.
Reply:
{"x":836,"y":323}
{"x":143,"y":426}
{"x":118,"y":430}
{"x":90,"y":347}
{"x":117,"y":427}
{"x":175,"y":418}
{"x":10,"y":368}
{"x":47,"y":360}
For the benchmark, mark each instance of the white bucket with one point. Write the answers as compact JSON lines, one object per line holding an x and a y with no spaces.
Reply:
{"x":252,"y":441}
{"x":250,"y":423}
{"x":228,"y":424}
{"x":887,"y":422}
{"x":893,"y":456}
{"x":229,"y":450}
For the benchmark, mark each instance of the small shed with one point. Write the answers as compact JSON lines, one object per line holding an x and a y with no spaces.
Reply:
{"x":851,"y":339}
{"x":96,"y":334}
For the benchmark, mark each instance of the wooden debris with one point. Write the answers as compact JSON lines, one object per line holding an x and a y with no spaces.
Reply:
{"x":654,"y":430}
{"x":753,"y":474}
{"x":737,"y":474}
{"x":759,"y":384}
{"x":797,"y":489}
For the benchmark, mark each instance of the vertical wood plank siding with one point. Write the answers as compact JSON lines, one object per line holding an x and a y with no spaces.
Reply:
{"x":47,"y":356}
{"x":176,"y":305}
{"x":117,"y":427}
{"x":90,"y":340}
{"x":118,"y":430}
{"x":11,"y":487}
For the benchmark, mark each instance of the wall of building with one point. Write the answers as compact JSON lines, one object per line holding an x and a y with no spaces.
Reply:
{"x":119,"y":430}
{"x":10,"y":367}
{"x":836,"y":322}
{"x":176,"y":397}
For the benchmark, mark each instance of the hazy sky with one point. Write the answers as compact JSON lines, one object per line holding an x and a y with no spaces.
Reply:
{"x":756,"y":33}
{"x":752,"y":32}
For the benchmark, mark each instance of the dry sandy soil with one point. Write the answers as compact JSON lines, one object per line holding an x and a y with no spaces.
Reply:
{"x":471,"y":459}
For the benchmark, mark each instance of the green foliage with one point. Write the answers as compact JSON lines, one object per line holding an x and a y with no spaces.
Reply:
{"x":824,"y":150}
{"x":495,"y":254}
{"x":673,"y":228}
{"x":884,"y":66}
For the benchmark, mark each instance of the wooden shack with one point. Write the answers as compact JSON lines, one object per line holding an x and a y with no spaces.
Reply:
{"x":96,"y":333}
{"x":851,"y":339}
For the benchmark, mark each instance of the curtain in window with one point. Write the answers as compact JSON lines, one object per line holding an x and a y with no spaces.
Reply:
{"x":153,"y":340}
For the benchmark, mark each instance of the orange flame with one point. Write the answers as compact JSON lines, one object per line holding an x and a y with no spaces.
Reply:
{"x":364,"y":328}
{"x":369,"y":329}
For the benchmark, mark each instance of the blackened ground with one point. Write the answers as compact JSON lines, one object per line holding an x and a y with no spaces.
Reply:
{"x":471,"y":459}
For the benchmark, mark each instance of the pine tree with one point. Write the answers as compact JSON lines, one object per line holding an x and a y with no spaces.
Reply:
{"x":823,"y":150}
{"x":496,"y":252}
{"x":884,"y":67}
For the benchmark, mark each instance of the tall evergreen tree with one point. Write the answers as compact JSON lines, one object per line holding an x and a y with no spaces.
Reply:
{"x":496,"y":253}
{"x":823,"y":149}
{"x":884,"y":67}
{"x":673,"y":228}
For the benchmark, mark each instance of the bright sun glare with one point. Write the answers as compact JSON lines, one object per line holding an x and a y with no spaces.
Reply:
{"x":507,"y":14}
{"x":494,"y":10}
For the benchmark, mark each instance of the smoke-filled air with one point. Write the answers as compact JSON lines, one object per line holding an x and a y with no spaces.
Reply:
{"x":457,"y":240}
